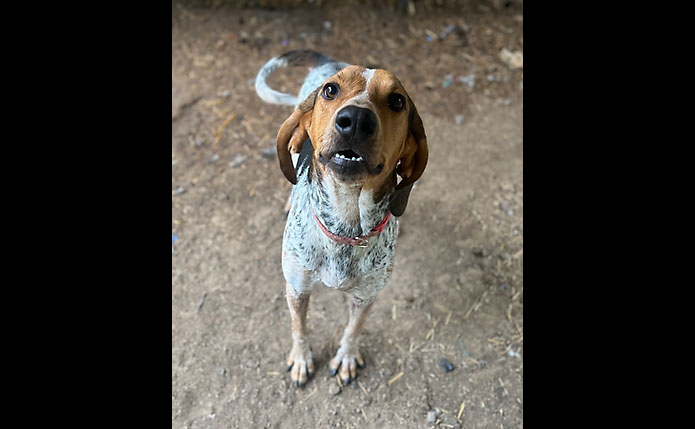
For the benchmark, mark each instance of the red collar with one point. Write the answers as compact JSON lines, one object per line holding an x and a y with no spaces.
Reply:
{"x":357,"y":241}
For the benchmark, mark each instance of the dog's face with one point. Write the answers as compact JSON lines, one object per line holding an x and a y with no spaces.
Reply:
{"x":362,"y":125}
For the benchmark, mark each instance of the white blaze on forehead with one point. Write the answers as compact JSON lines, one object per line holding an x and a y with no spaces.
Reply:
{"x":367,"y":74}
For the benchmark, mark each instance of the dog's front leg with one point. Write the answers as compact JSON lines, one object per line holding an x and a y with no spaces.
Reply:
{"x":348,"y":356}
{"x":299,"y":360}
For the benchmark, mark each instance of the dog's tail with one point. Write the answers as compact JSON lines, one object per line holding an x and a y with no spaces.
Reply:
{"x":292,"y":58}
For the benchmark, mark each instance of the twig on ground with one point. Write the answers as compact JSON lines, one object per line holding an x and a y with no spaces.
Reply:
{"x":218,"y":133}
{"x":396,"y":377}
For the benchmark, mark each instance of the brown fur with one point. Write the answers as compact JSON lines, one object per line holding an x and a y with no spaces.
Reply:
{"x":402,"y":136}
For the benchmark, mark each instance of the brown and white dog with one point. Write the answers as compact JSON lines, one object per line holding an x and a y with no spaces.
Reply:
{"x":355,"y":130}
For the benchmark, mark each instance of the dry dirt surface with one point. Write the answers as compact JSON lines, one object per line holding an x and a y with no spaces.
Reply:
{"x":457,"y":287}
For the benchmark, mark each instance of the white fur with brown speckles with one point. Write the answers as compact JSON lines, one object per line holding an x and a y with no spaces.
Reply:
{"x":310,"y":257}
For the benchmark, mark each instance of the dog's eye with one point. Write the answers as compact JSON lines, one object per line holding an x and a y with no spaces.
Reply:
{"x":330,"y":91}
{"x":396,"y":102}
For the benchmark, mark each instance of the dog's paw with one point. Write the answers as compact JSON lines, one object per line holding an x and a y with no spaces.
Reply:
{"x":346,"y":363}
{"x":300,"y":364}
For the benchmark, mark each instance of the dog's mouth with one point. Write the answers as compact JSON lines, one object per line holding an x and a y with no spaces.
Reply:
{"x":347,"y":157}
{"x":348,"y":164}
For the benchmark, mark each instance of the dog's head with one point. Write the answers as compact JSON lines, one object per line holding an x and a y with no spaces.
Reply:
{"x":364,"y":128}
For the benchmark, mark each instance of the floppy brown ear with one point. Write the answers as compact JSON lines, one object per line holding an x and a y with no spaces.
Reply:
{"x":413,"y":160}
{"x":293,"y":132}
{"x":399,"y":200}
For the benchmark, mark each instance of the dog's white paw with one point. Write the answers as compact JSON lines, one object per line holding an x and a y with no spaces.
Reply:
{"x":300,"y":364}
{"x":345,"y":362}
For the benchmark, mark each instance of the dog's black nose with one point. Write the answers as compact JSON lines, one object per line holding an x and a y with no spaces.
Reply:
{"x":355,"y":122}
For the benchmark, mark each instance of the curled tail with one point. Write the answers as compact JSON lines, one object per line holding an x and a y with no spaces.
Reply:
{"x":292,"y":58}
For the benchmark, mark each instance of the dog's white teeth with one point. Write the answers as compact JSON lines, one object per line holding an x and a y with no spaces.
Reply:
{"x":356,"y":159}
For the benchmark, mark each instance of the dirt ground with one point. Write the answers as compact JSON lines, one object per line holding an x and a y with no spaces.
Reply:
{"x":457,"y":287}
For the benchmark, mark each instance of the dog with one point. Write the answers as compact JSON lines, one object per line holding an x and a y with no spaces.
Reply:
{"x":354,"y":130}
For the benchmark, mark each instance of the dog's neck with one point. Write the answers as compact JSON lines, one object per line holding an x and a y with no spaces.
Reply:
{"x":346,"y":210}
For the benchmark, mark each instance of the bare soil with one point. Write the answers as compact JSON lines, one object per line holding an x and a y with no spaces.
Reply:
{"x":457,"y":288}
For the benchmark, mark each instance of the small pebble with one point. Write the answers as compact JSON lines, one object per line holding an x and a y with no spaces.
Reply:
{"x":174,"y":238}
{"x":459,"y":119}
{"x":224,"y":93}
{"x":432,"y":415}
{"x":237,"y":161}
{"x":446,"y":365}
{"x":214,"y":158}
{"x":180,"y":190}
{"x":467,"y":80}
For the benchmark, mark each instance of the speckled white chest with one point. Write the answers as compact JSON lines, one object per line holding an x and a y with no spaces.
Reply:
{"x":310,"y":257}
